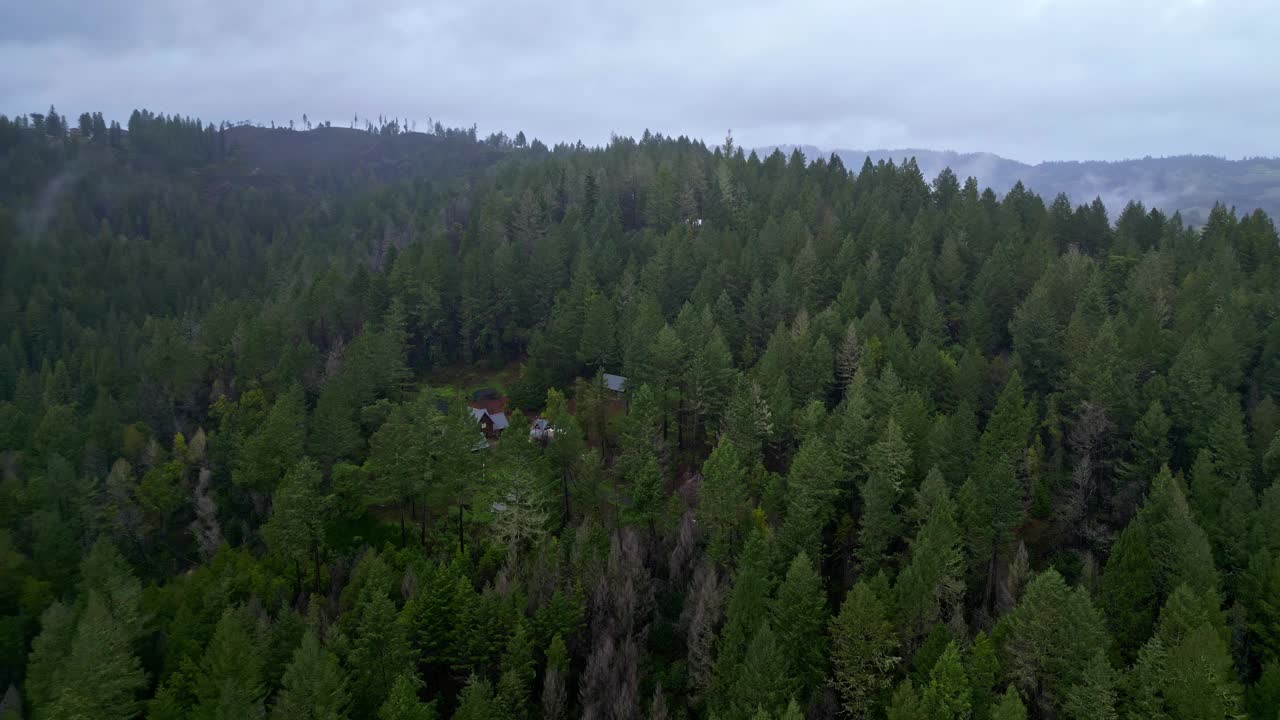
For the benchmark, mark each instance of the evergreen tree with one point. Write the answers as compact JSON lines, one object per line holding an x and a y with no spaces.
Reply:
{"x":230,"y":681}
{"x":314,"y":685}
{"x":810,"y":492}
{"x":380,"y":654}
{"x":517,"y":672}
{"x":721,"y":499}
{"x":1010,"y":707}
{"x":759,"y":682}
{"x":931,"y":587}
{"x":554,"y":697}
{"x":799,"y":612}
{"x":98,"y":677}
{"x":947,"y":697}
{"x":863,"y":652}
{"x":403,"y":704}
{"x":296,"y":529}
{"x":1095,"y":695}
{"x":476,"y":701}
{"x":1161,"y":548}
{"x":888,"y":462}
{"x":275,"y":446}
{"x":905,"y":704}
{"x":983,"y":670}
{"x":745,"y":613}
{"x":1050,"y":638}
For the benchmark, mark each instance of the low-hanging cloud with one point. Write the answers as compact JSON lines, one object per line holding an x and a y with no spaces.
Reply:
{"x":1030,"y":80}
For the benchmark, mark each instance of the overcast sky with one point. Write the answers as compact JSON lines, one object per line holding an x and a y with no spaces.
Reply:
{"x":1031,"y":79}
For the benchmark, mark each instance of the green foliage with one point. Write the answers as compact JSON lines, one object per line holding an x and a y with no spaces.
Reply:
{"x":477,"y":702}
{"x":314,"y":685}
{"x":235,"y":359}
{"x":1161,"y":548}
{"x":888,"y":462}
{"x":799,"y":614}
{"x":85,"y":667}
{"x":947,"y":696}
{"x":229,"y":684}
{"x":272,"y":448}
{"x":745,"y":613}
{"x":1185,"y":669}
{"x":403,"y":704}
{"x":864,"y":651}
{"x":381,"y":653}
{"x":810,"y":492}
{"x":982,"y":668}
{"x":1009,"y":707}
{"x":721,"y":498}
{"x":929,"y":590}
{"x":296,"y":528}
{"x":1050,"y":639}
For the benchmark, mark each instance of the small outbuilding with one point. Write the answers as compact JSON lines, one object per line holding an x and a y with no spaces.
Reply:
{"x":541,"y":430}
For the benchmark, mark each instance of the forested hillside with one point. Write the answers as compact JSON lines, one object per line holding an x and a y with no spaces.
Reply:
{"x":1188,"y":184}
{"x":888,"y":446}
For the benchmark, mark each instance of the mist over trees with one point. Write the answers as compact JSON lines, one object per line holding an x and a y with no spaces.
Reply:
{"x":888,"y":446}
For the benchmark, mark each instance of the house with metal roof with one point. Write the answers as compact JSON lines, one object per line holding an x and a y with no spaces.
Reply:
{"x":492,"y":423}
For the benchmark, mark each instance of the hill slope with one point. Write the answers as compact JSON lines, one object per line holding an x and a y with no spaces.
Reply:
{"x":1190,"y":184}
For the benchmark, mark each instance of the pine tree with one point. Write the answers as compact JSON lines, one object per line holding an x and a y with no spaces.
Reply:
{"x":748,"y":420}
{"x":931,"y":587}
{"x":334,"y":434}
{"x":1264,"y":696}
{"x":1148,"y":450}
{"x":275,"y":446}
{"x":380,"y":653}
{"x":295,"y":530}
{"x":49,"y":650}
{"x":947,"y":697}
{"x":1051,"y":637}
{"x":314,"y":685}
{"x":760,"y":683}
{"x":515,"y":682}
{"x":745,"y":612}
{"x":598,"y":348}
{"x":1095,"y":695}
{"x":400,"y":461}
{"x":230,"y":682}
{"x":810,"y":492}
{"x":554,"y":698}
{"x":721,"y":499}
{"x":476,"y":701}
{"x":710,"y":381}
{"x":887,"y":463}
{"x":848,"y":357}
{"x":1161,"y":548}
{"x":905,"y":703}
{"x":991,"y":500}
{"x":799,"y":612}
{"x":99,"y":677}
{"x":402,"y":703}
{"x":1200,"y":679}
{"x":863,"y":652}
{"x":645,"y":477}
{"x":1010,"y":707}
{"x":983,"y":669}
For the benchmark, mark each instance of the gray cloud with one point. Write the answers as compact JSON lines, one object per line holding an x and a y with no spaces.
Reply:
{"x":1030,"y":79}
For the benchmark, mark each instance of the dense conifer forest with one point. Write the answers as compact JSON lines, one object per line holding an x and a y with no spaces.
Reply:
{"x":888,"y":446}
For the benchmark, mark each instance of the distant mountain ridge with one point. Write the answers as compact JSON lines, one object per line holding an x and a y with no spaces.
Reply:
{"x":1189,"y":184}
